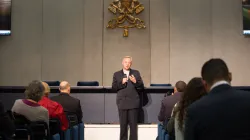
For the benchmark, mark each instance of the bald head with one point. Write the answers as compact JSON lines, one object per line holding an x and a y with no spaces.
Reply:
{"x":65,"y":87}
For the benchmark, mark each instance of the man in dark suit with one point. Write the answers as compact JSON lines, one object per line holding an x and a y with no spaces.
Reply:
{"x":70,"y":104}
{"x":168,"y":102}
{"x":127,"y":82}
{"x":224,"y":113}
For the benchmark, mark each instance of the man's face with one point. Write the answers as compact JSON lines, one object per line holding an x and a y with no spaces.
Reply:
{"x":126,"y":63}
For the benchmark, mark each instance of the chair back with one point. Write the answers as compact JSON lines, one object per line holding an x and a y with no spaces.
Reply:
{"x":40,"y":130}
{"x":26,"y":129}
{"x":87,"y":83}
{"x":160,"y":85}
{"x":55,"y":126}
{"x":72,"y":118}
{"x":20,"y":119}
{"x":52,"y":83}
{"x":22,"y":126}
{"x":2,"y":136}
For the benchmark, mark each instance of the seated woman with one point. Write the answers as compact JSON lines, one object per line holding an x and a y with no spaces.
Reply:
{"x":194,"y":91}
{"x":29,"y":107}
{"x":55,"y":109}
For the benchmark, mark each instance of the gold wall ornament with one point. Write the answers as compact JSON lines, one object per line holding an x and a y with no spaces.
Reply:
{"x":125,"y":11}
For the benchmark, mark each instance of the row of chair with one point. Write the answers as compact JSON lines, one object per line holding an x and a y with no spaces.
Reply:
{"x":92,"y":83}
{"x":39,"y":130}
{"x":79,"y":83}
{"x":75,"y":131}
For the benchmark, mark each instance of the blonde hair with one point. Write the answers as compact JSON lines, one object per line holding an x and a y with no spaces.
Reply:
{"x":130,"y":57}
{"x":46,"y":89}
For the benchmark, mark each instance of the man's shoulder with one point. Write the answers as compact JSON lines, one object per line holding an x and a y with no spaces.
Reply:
{"x":53,"y":97}
{"x":242,"y":95}
{"x":210,"y":99}
{"x":135,"y":71}
{"x":74,"y":99}
{"x":117,"y":72}
{"x":243,"y":92}
{"x":171,"y":97}
{"x":59,"y":99}
{"x":168,"y":100}
{"x":54,"y":103}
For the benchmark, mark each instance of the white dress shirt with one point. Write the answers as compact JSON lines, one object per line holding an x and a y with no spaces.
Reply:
{"x":219,"y":83}
{"x":126,"y":72}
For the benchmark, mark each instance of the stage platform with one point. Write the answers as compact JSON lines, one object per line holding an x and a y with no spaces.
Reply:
{"x":112,"y":131}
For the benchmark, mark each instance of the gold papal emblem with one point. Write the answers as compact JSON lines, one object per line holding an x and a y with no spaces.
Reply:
{"x":125,"y":12}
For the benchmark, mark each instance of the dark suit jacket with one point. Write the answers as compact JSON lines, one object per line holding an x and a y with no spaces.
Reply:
{"x":127,"y":94}
{"x":167,"y":106}
{"x":224,"y":114}
{"x":70,"y":104}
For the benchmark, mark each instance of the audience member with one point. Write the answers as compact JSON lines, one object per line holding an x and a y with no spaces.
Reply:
{"x":55,"y":109}
{"x":29,"y":107}
{"x":194,"y":91}
{"x":224,"y":113}
{"x":7,"y":127}
{"x":70,"y":104}
{"x":169,"y":101}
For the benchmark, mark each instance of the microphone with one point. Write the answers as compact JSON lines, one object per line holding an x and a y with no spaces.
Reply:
{"x":125,"y":76}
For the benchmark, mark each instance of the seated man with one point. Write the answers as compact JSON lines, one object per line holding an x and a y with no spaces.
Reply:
{"x":29,"y":107}
{"x":169,"y":101}
{"x":70,"y":104}
{"x":54,"y":108}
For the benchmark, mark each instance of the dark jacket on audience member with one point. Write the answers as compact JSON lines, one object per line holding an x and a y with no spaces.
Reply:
{"x":7,"y":126}
{"x":167,"y":106}
{"x":70,"y":104}
{"x":224,"y":114}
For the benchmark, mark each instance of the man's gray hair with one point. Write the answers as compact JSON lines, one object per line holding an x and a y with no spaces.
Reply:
{"x":130,"y":57}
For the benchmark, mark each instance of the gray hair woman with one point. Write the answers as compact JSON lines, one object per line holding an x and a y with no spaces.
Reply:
{"x":29,"y":107}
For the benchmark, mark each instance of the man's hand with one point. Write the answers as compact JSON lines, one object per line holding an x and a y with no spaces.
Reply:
{"x":132,"y":78}
{"x":124,"y":80}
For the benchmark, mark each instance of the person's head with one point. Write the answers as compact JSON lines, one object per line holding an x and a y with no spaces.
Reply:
{"x":46,"y":89}
{"x":180,"y":86}
{"x":127,"y":62}
{"x":64,"y":87}
{"x":194,"y":91}
{"x":215,"y":70}
{"x":34,"y":91}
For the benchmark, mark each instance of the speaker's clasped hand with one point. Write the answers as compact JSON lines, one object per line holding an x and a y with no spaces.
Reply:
{"x":124,"y":80}
{"x":132,"y":78}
